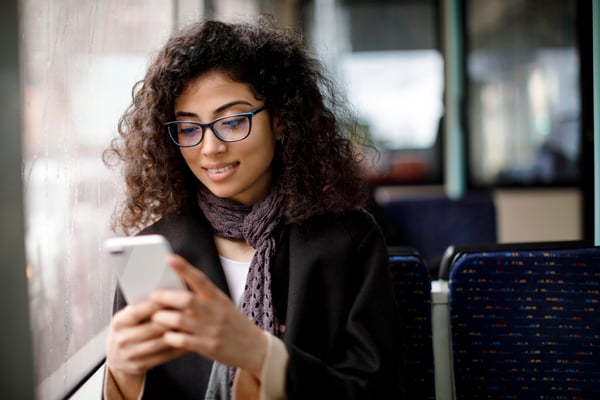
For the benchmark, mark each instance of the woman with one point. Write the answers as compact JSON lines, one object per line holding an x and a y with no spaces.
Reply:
{"x":234,"y":149}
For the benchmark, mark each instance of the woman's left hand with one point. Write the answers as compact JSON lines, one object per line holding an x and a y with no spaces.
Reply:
{"x":206,"y":321}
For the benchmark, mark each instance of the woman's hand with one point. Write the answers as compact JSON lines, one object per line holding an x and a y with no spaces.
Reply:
{"x":206,"y":321}
{"x":135,"y":344}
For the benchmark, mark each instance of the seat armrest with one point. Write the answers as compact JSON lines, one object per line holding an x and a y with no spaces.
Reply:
{"x":442,"y":353}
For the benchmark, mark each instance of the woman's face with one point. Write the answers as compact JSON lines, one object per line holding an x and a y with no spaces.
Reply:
{"x":240,"y":171}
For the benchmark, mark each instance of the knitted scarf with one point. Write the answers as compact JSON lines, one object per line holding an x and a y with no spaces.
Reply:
{"x":254,"y":224}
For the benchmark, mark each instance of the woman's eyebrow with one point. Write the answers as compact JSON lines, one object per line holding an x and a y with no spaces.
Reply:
{"x":218,"y":110}
{"x":230,"y":104}
{"x":185,"y":114}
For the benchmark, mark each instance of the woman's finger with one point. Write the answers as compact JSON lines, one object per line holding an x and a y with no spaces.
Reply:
{"x":195,"y":278}
{"x":138,"y":333}
{"x":168,"y":354}
{"x":146,"y":349}
{"x":142,"y":356}
{"x":174,"y":320}
{"x":135,"y":314}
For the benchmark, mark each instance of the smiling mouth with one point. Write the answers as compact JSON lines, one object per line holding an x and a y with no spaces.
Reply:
{"x":222,"y":169}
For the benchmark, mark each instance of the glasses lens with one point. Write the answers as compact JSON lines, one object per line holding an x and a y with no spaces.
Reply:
{"x":185,"y":133}
{"x":233,"y":128}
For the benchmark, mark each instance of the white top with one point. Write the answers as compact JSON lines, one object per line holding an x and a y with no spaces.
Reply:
{"x":236,"y":273}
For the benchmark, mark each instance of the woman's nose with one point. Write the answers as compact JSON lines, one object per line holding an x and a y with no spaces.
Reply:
{"x":211,"y":143}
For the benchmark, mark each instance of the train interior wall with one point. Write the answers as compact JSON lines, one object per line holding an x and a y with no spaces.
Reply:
{"x":522,"y":215}
{"x":538,"y":215}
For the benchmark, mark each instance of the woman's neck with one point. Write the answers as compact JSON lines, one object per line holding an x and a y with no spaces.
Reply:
{"x":236,"y":250}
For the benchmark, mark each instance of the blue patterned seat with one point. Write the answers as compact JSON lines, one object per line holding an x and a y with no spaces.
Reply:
{"x":412,"y":288}
{"x":525,"y":321}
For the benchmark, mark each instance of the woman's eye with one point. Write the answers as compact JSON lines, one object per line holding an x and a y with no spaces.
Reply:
{"x":233,"y":122}
{"x":188,"y":129}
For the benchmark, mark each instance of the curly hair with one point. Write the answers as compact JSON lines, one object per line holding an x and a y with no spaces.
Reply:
{"x":318,"y":167}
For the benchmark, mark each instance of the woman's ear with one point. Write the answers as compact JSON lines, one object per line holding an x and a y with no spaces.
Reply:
{"x":277,"y":126}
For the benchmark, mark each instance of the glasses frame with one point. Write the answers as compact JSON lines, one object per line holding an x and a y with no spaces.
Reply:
{"x":205,"y":125}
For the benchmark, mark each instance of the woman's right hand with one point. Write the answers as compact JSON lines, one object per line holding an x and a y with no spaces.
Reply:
{"x":135,"y":344}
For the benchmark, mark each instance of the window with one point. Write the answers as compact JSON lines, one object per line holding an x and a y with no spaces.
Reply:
{"x":524,"y":103}
{"x":80,"y":61}
{"x":386,"y":56}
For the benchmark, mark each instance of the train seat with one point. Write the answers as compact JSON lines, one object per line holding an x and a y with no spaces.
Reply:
{"x":523,"y":321}
{"x":412,"y":288}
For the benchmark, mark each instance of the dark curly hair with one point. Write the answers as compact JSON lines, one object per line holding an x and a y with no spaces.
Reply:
{"x":317,"y":167}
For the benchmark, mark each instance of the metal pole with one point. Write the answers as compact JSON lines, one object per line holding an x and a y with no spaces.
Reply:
{"x":596,"y":101}
{"x":455,"y":157}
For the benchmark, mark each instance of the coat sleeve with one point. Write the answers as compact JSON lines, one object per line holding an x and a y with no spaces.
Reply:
{"x":343,"y":326}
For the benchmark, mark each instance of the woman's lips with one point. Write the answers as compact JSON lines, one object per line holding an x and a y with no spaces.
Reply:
{"x":222,"y":172}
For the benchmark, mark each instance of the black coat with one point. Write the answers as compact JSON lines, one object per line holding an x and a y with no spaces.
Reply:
{"x":331,"y":288}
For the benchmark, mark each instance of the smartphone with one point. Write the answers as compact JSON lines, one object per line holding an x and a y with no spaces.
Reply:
{"x":140,"y":265}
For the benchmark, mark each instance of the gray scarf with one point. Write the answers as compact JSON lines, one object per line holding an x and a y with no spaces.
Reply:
{"x":254,"y":224}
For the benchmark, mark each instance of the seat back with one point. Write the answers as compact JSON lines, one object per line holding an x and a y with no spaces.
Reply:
{"x":525,"y":321}
{"x":412,"y":288}
{"x":431,"y":224}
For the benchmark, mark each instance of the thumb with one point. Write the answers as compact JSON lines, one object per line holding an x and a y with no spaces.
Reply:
{"x":195,"y":279}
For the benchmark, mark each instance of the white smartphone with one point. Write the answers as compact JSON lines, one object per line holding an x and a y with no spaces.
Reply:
{"x":140,"y":265}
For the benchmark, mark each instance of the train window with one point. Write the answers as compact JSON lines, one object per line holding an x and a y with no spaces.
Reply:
{"x":386,"y":55}
{"x":80,"y":60}
{"x":524,"y":102}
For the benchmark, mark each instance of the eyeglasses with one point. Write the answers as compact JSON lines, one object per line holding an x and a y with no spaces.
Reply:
{"x":230,"y":128}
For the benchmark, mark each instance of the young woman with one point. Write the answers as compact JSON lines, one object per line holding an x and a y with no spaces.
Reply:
{"x":235,"y":150}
